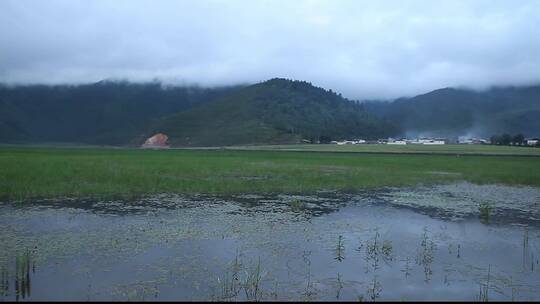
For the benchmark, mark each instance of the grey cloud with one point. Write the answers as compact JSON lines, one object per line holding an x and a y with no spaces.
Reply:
{"x":364,"y":49}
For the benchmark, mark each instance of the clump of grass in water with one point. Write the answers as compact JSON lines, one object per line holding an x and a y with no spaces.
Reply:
{"x":485,"y":210}
{"x":251,"y":283}
{"x":297,"y":204}
{"x":375,"y":289}
{"x":230,"y":285}
{"x":234,"y":282}
{"x":376,"y":249}
{"x":386,"y":249}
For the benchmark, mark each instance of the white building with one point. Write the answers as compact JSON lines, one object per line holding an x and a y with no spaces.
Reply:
{"x":350,"y":142}
{"x":427,"y":141}
{"x":397,"y":142}
{"x":532,"y":141}
{"x":473,"y":141}
{"x":437,"y":141}
{"x":465,"y":141}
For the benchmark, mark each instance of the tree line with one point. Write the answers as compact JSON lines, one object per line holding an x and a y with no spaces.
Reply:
{"x":509,"y":140}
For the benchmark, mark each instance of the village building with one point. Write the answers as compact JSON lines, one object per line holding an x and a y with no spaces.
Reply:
{"x":350,"y":142}
{"x":436,"y":141}
{"x":473,"y":141}
{"x":532,"y":141}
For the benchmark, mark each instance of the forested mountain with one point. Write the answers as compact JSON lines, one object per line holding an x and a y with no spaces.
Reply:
{"x":113,"y":113}
{"x":455,"y":112}
{"x":275,"y":111}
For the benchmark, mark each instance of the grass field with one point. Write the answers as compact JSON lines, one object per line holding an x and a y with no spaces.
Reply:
{"x":376,"y":148}
{"x":27,"y":173}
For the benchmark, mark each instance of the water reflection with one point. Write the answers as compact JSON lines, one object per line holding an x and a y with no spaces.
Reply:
{"x":530,"y":255}
{"x":340,"y":250}
{"x":20,"y":277}
{"x":4,"y":287}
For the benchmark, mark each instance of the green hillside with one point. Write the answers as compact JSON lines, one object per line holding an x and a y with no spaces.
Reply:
{"x":110,"y":113}
{"x":455,"y":112}
{"x":275,"y":111}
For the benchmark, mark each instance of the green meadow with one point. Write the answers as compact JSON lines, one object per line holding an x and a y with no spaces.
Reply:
{"x":415,"y":149}
{"x":40,"y":172}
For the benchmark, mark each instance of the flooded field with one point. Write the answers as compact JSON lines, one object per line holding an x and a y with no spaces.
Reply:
{"x":449,"y":242}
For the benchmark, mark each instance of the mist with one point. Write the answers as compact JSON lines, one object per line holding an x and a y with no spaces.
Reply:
{"x":364,"y":50}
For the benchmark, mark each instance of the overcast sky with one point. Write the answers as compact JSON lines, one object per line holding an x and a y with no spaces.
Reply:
{"x":363,"y":49}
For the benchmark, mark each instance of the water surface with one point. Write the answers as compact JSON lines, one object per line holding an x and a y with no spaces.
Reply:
{"x":448,"y":242}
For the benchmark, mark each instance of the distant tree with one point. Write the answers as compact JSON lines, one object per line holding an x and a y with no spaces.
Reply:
{"x":506,"y":139}
{"x":323,"y":139}
{"x":518,"y":139}
{"x":495,"y":140}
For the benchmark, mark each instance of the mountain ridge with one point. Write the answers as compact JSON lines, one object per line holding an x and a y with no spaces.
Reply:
{"x":278,"y":110}
{"x":274,"y":111}
{"x":453,"y":112}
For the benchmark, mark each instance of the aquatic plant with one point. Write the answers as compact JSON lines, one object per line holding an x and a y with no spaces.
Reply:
{"x":251,"y":282}
{"x":528,"y":255}
{"x":386,"y":249}
{"x":22,"y":275}
{"x":309,"y":291}
{"x":297,"y":204}
{"x":339,"y":286}
{"x":274,"y":294}
{"x":340,"y":250}
{"x":484,"y":209}
{"x":237,"y":278}
{"x":407,"y":269}
{"x":229,"y":285}
{"x":139,"y":291}
{"x":426,"y":254}
{"x":377,"y":249}
{"x":375,"y":289}
{"x":484,"y":288}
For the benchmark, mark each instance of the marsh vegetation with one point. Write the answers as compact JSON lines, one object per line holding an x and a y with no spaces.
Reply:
{"x":32,"y":173}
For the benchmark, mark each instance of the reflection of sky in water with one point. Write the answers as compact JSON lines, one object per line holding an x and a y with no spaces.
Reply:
{"x":326,"y":247}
